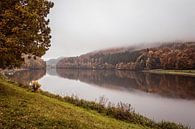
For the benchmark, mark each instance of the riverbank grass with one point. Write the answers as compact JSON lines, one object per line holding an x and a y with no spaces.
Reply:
{"x":21,"y":108}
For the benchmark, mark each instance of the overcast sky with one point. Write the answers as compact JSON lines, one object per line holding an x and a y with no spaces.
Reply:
{"x":81,"y":26}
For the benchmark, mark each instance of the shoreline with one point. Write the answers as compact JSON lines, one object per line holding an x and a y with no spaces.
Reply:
{"x":154,"y":71}
{"x":172,"y":72}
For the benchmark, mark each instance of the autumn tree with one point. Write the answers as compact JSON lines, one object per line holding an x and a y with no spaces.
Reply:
{"x":186,"y":59}
{"x":24,"y":28}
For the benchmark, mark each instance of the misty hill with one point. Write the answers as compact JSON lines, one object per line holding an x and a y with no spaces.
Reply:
{"x":53,"y":62}
{"x":107,"y":51}
{"x":120,"y":49}
{"x":164,"y":56}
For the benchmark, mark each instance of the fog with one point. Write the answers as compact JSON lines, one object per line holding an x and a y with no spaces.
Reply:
{"x":81,"y":26}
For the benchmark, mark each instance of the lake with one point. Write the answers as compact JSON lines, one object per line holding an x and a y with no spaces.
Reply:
{"x":159,"y":97}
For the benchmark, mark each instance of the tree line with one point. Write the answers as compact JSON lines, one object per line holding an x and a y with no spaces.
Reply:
{"x":166,"y":56}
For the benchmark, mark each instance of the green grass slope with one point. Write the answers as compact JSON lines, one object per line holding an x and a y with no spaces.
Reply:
{"x":20,"y":108}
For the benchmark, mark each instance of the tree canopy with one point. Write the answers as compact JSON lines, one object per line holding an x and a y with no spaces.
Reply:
{"x":24,"y":28}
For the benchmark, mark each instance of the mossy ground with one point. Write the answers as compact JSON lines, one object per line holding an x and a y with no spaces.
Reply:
{"x":21,"y":108}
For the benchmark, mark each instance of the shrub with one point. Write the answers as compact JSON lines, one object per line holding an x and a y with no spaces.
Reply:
{"x":35,"y":86}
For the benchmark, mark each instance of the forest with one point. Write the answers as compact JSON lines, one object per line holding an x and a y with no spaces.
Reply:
{"x":178,"y":56}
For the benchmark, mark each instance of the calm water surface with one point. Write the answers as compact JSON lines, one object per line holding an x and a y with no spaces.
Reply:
{"x":159,"y":97}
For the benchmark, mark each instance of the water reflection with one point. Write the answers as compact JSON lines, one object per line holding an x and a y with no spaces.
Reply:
{"x":159,"y":97}
{"x":164,"y":85}
{"x":26,"y":76}
{"x":172,"y":86}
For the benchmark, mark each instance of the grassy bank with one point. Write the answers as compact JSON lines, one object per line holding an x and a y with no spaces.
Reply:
{"x":173,"y":72}
{"x":22,"y":108}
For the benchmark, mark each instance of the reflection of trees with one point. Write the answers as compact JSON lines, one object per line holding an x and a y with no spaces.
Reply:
{"x":165,"y":85}
{"x":98,"y":77}
{"x":26,"y":76}
{"x":51,"y":71}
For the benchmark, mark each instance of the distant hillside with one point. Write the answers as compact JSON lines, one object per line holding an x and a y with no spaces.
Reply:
{"x":165,"y":56}
{"x":120,"y":49}
{"x":107,"y":51}
{"x":53,"y":62}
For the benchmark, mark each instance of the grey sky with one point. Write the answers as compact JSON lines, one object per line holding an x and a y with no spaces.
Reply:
{"x":80,"y":26}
